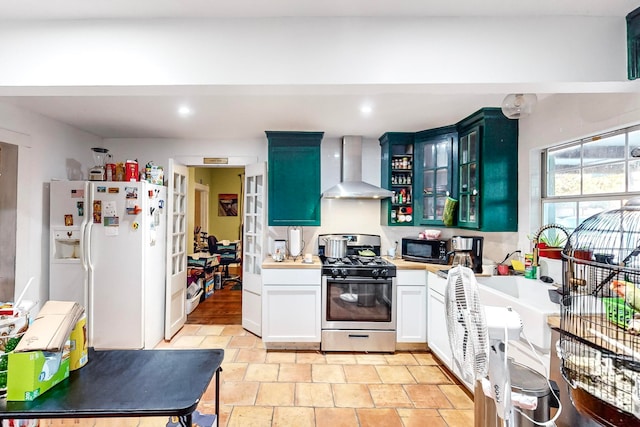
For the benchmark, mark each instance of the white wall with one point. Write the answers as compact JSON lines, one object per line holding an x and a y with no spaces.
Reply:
{"x":46,"y":150}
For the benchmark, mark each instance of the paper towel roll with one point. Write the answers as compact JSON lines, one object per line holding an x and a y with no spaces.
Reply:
{"x":295,"y":242}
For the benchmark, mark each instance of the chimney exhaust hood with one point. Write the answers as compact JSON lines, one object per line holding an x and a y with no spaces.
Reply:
{"x":351,"y":185}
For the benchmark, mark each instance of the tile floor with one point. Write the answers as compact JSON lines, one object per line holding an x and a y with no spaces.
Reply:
{"x":288,"y":388}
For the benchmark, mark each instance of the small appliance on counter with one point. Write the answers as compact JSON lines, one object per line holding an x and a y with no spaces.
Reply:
{"x":467,"y":251}
{"x":98,"y":172}
{"x":430,"y":251}
{"x":279,"y":250}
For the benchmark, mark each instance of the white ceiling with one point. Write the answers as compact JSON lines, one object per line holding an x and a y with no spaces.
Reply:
{"x":84,"y":9}
{"x":245,"y":112}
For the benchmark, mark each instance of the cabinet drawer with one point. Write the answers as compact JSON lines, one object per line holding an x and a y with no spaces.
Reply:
{"x":277,"y":276}
{"x":411,"y":277}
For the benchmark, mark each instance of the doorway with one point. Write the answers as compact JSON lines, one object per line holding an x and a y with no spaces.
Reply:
{"x":8,"y":219}
{"x":217,"y":210}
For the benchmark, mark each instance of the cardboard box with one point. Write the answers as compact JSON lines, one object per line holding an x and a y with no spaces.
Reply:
{"x":32,"y":373}
{"x":51,"y":328}
{"x":78,"y":349}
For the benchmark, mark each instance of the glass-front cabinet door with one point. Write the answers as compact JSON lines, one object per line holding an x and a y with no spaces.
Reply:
{"x":434,"y":157}
{"x":468,"y":191}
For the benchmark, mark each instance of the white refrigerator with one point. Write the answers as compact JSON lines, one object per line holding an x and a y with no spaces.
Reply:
{"x":108,"y":253}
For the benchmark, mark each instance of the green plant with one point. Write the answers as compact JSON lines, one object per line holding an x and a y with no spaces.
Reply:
{"x":555,"y":241}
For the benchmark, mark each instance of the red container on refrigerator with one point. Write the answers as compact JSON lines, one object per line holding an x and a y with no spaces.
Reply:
{"x":110,"y":171}
{"x":131,"y":171}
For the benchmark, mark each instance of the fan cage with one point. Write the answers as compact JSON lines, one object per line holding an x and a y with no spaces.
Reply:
{"x":600,"y":314}
{"x":466,"y":325}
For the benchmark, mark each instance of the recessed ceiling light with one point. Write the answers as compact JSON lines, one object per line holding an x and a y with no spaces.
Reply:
{"x":184,"y":111}
{"x":366,"y":109}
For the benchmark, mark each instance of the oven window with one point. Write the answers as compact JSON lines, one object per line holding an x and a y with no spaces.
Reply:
{"x":362,"y":302}
{"x":423,"y":249}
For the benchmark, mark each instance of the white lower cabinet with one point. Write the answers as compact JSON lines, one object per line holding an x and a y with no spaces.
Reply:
{"x":437,"y":336}
{"x":291,"y":306}
{"x":411,"y":314}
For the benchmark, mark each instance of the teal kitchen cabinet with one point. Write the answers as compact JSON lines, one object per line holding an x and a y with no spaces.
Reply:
{"x":434,"y":171}
{"x":487,"y":166}
{"x":294,"y":178}
{"x":397,"y":175}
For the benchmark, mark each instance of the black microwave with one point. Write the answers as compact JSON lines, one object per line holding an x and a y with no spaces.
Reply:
{"x":425,"y":250}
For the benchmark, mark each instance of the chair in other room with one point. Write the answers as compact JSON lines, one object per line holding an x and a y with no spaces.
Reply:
{"x":228,"y":255}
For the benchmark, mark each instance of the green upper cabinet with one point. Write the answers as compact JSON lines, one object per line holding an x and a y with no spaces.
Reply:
{"x":633,"y":44}
{"x":397,"y":175}
{"x":294,"y":178}
{"x":487,"y":165}
{"x":434,"y":173}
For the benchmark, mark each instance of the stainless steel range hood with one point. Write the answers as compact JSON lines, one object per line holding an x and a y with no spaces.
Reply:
{"x":351,"y":185}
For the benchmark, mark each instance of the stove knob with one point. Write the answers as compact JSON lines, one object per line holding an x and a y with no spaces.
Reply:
{"x":375,"y":272}
{"x":384,"y":272}
{"x":343,"y":271}
{"x":335,"y":272}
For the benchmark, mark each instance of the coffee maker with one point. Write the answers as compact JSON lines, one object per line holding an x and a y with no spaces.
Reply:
{"x":467,"y":251}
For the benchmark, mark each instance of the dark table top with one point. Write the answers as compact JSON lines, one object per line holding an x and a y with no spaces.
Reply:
{"x":126,"y":383}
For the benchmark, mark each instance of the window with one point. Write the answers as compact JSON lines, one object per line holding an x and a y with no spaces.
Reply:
{"x":585,"y":177}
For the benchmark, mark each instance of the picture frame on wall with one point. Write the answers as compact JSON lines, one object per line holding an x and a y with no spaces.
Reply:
{"x":227,"y":205}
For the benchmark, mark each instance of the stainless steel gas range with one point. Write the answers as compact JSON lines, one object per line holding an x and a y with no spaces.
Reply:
{"x":358,"y":297}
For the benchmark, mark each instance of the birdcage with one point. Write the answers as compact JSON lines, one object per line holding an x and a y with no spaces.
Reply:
{"x":600,"y":316}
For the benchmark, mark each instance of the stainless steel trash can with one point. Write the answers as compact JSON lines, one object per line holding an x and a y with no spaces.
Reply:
{"x":524,"y":380}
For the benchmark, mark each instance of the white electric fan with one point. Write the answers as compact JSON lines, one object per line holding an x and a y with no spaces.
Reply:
{"x":478,"y":337}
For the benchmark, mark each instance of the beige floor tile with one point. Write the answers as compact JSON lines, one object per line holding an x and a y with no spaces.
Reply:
{"x":238,"y":393}
{"x":352,"y":396}
{"x":209,"y":394}
{"x":425,"y":374}
{"x":340,"y":358}
{"x":161,"y":345}
{"x":215,"y":341}
{"x":67,"y":422}
{"x":229,"y":355}
{"x":251,"y":355}
{"x":401,"y":359}
{"x":336,"y":417}
{"x":235,"y":330}
{"x":371,"y":359}
{"x":251,"y":416}
{"x":118,"y":422}
{"x":327,"y":374}
{"x":422,"y":418}
{"x":311,"y":357}
{"x":210,"y":330}
{"x":154,"y":421}
{"x":458,"y":398}
{"x":187,"y":330}
{"x":281,"y":357}
{"x":224,"y":415}
{"x":294,"y":373}
{"x":395,"y":375}
{"x":457,"y":417}
{"x":426,"y":359}
{"x":389,"y":396}
{"x":187,"y":341}
{"x":427,"y":396}
{"x":244,"y":341}
{"x":265,"y":372}
{"x":233,"y":371}
{"x":276,"y":394}
{"x":379,"y":417}
{"x":365,"y":374}
{"x":317,"y":395}
{"x":293,"y":417}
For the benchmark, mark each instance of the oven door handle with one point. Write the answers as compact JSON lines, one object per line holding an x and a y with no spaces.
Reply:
{"x":359,"y":336}
{"x":359,"y":280}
